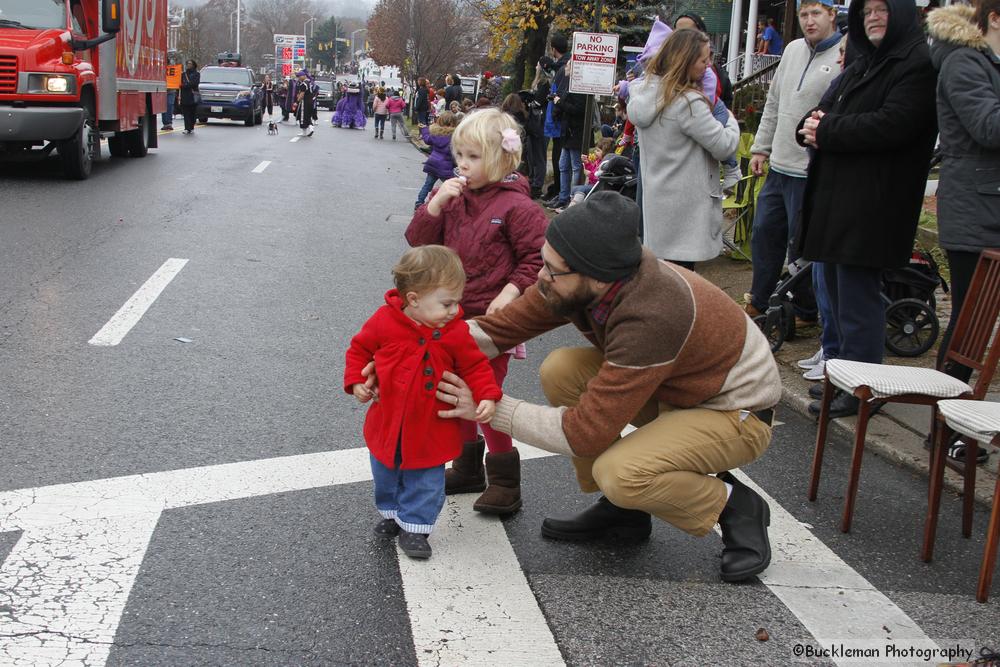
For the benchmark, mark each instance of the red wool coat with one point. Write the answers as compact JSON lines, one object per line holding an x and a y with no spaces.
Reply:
{"x":496,"y":230}
{"x":409,"y":361}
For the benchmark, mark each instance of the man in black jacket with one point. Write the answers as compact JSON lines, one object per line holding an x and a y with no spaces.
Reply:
{"x":873,"y":139}
{"x":570,"y":110}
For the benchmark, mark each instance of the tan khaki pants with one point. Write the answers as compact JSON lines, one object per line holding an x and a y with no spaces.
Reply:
{"x":663,"y":467}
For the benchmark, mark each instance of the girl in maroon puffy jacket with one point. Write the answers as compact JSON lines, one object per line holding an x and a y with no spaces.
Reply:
{"x":486,"y":215}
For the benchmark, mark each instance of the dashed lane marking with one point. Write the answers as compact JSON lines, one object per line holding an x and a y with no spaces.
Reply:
{"x":132,"y":311}
{"x":259,"y":169}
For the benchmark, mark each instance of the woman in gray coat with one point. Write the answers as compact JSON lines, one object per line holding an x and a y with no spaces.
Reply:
{"x":682,"y":144}
{"x":966,"y":53}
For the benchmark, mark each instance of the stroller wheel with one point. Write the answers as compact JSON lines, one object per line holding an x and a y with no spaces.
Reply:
{"x":911,"y":327}
{"x":773,"y":331}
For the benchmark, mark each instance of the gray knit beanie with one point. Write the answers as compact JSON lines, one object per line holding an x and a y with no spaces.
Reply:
{"x":599,"y":237}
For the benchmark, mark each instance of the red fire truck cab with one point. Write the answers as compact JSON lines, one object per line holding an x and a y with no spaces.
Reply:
{"x":74,"y":71}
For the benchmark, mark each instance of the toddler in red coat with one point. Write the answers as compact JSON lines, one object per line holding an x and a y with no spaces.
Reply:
{"x":486,"y":215}
{"x":413,"y":339}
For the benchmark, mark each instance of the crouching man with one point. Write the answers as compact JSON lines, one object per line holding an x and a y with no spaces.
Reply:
{"x":669,"y":353}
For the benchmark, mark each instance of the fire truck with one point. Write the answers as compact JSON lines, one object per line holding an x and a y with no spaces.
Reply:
{"x":75,"y":71}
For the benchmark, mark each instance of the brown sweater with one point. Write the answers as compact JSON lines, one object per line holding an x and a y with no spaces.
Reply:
{"x":670,"y":335}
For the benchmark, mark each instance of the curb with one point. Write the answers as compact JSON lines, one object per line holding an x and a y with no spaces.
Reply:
{"x":886,"y":438}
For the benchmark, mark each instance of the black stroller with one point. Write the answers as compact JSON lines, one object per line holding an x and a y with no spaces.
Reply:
{"x":618,"y":175}
{"x":911,"y":321}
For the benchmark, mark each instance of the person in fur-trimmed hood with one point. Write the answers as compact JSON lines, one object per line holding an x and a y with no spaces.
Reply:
{"x":966,"y":53}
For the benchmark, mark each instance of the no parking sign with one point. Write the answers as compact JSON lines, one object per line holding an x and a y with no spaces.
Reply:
{"x":594,"y":61}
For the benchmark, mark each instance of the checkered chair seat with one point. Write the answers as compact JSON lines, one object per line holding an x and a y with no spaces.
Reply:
{"x":980,"y":420}
{"x":886,"y":381}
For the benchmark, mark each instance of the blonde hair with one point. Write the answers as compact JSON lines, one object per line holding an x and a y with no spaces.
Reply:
{"x":427,"y":268}
{"x":484,"y":130}
{"x":447,"y":119}
{"x":672,"y":63}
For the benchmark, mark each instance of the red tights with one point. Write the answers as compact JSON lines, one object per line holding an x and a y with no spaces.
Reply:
{"x":496,"y":442}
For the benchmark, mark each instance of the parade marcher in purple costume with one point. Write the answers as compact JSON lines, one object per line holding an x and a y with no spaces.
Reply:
{"x":350,"y":109}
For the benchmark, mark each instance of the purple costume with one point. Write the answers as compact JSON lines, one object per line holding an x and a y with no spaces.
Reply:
{"x":350,"y":110}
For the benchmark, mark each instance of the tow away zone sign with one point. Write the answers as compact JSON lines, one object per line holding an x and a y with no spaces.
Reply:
{"x":595,"y":59}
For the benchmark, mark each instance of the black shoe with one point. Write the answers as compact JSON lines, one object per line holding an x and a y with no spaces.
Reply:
{"x":956,"y":452}
{"x":744,"y":520}
{"x":414,"y":545}
{"x":551,"y":202}
{"x":386,"y":528}
{"x":816,"y":391}
{"x":842,"y":405}
{"x":603,"y":520}
{"x":536,"y":193}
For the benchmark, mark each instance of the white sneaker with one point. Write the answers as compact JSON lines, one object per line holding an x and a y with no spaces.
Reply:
{"x":731,"y":176}
{"x":811,"y":361}
{"x":815,"y":373}
{"x":309,"y":132}
{"x":302,"y":132}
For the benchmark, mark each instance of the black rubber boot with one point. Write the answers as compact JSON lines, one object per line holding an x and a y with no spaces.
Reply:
{"x":744,"y":520}
{"x":600,"y":521}
{"x":466,"y":474}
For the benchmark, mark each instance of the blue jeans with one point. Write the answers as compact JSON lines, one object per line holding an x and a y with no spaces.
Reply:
{"x":775,"y":229}
{"x":858,"y":311}
{"x":426,"y":190}
{"x":721,"y":114}
{"x":168,"y":116}
{"x":422,"y":117}
{"x":413,"y":498}
{"x":570,"y":167}
{"x":828,"y":338}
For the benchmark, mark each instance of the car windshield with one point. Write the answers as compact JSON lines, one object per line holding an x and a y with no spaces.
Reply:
{"x":325,"y":85}
{"x":33,"y":13}
{"x":240,"y":77}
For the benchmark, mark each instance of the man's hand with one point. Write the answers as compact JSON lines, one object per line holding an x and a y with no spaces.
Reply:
{"x":450,"y":189}
{"x":485,"y":411}
{"x":757,"y":163}
{"x":371,"y":382}
{"x":453,"y":391}
{"x":506,"y":295}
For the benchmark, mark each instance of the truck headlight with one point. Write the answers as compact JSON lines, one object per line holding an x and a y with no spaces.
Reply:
{"x":59,"y":84}
{"x":244,"y":94}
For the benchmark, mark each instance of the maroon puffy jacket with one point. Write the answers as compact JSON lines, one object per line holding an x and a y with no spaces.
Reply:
{"x":498,"y":231}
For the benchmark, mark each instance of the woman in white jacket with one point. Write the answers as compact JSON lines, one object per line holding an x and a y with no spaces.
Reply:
{"x":682,"y":144}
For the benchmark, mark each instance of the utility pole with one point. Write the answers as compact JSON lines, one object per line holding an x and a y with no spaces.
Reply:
{"x":238,"y":27}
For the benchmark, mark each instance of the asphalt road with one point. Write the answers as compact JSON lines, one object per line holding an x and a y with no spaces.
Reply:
{"x":232,"y":561}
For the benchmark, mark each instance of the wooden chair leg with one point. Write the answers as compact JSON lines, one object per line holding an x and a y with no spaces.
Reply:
{"x":864,"y":413}
{"x":990,"y":552}
{"x":824,"y":421}
{"x":969,"y":486}
{"x":940,"y":435}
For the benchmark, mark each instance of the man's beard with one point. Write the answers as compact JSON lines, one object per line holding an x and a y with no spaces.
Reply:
{"x":566,"y":306}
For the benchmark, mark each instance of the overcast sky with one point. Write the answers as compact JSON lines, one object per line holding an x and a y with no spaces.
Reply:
{"x":357,"y":8}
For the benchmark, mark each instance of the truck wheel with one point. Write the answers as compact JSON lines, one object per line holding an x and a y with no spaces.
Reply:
{"x":137,"y":140}
{"x":116,"y":145}
{"x":79,"y":153}
{"x":260,"y":117}
{"x":251,"y":119}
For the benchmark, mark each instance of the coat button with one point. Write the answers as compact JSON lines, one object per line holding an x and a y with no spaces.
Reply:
{"x":429,"y":386}
{"x":421,"y":341}
{"x":428,"y":371}
{"x":436,"y":334}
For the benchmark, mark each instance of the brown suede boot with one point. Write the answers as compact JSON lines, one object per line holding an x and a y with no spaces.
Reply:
{"x":466,"y":474}
{"x":503,"y":495}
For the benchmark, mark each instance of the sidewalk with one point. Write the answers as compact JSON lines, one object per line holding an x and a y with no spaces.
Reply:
{"x":896,"y":433}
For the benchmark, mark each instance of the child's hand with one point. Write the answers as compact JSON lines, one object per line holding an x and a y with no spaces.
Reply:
{"x":362,"y":393}
{"x":450,"y":189}
{"x":506,"y":295}
{"x":485,"y":411}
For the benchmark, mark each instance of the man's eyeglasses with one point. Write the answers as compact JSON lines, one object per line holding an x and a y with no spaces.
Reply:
{"x":553,"y":274}
{"x":875,"y":11}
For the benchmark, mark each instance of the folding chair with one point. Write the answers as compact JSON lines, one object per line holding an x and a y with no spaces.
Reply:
{"x":978,"y":422}
{"x":744,"y":201}
{"x":974,"y":344}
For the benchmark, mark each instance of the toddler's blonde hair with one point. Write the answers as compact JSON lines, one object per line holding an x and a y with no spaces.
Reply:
{"x":484,"y":130}
{"x":427,"y":268}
